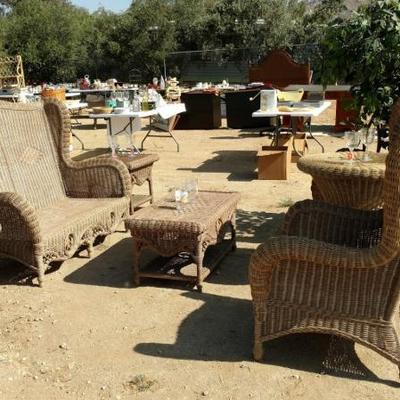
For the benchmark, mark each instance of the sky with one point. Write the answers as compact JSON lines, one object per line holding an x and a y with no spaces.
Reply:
{"x":113,"y":5}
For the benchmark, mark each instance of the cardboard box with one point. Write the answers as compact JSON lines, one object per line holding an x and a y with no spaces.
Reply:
{"x":286,"y":139}
{"x":272,"y":163}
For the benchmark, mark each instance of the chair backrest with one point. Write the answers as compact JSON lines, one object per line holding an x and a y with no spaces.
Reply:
{"x":29,"y":162}
{"x":390,"y":243}
{"x":389,"y":247}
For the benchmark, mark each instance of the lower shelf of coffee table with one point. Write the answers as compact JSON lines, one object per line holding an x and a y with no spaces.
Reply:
{"x":181,"y":267}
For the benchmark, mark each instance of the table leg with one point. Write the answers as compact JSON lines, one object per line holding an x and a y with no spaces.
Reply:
{"x":313,"y":137}
{"x":198,"y":259}
{"x":276,"y":133}
{"x":293,"y":125}
{"x":135,"y":150}
{"x":78,"y":139}
{"x":171,"y":125}
{"x":151,"y":189}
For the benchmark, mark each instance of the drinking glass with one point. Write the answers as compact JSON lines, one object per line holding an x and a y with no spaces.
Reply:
{"x":353,"y":140}
{"x":192,"y":186}
{"x":367,"y":136}
{"x":177,"y":197}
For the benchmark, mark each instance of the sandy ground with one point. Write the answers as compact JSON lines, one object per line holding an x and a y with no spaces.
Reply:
{"x":89,"y":335}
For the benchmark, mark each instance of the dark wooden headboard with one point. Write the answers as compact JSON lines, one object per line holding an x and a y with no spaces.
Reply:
{"x":279,"y":69}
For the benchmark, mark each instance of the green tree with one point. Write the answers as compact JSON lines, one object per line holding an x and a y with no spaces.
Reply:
{"x":364,"y":50}
{"x":141,"y":39}
{"x":102,"y":62}
{"x":48,"y":34}
{"x":189,"y":18}
{"x":319,"y":15}
{"x":262,"y":24}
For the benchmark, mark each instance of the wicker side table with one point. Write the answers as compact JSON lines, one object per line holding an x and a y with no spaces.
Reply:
{"x":140,"y":168}
{"x":336,"y":180}
{"x":203,"y":222}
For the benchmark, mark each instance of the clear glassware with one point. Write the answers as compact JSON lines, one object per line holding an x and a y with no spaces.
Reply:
{"x":178,"y":199}
{"x":113,"y":148}
{"x":367,"y":137}
{"x":192,"y":186}
{"x":353,"y":140}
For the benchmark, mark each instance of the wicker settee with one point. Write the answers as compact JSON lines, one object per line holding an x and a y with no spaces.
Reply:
{"x":50,"y":206}
{"x":335,"y":270}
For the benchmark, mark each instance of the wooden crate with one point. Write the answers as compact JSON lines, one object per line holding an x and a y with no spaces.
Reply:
{"x":300,"y":141}
{"x":272,"y":163}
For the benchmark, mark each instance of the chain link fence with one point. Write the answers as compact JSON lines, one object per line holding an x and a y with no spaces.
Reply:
{"x":230,"y":64}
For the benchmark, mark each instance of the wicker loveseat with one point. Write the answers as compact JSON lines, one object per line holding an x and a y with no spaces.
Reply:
{"x":334,"y":270}
{"x":50,"y":206}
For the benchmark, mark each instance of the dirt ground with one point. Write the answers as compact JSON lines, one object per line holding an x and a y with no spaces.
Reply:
{"x":89,"y":335}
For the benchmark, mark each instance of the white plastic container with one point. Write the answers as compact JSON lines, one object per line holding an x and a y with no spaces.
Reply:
{"x":268,"y":100}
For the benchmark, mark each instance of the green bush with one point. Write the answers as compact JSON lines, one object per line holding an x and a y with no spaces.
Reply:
{"x":364,"y":50}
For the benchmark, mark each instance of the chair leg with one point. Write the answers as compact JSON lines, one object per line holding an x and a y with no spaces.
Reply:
{"x":258,"y":351}
{"x":40,"y":270}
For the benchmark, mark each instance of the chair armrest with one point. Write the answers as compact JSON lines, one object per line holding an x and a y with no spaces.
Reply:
{"x":18,"y":221}
{"x":338,"y":225}
{"x":278,"y":260}
{"x":97,"y":178}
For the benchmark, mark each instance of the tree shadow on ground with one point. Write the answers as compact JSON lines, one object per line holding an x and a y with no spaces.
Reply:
{"x":221,"y":330}
{"x":257,"y":226}
{"x":240,"y":164}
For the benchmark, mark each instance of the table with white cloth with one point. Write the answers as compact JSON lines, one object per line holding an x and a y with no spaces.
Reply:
{"x":294,"y":110}
{"x":128,"y":122}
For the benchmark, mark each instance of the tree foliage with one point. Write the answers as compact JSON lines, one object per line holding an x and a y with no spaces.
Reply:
{"x":364,"y":50}
{"x":48,"y":34}
{"x":142,"y":37}
{"x":261,"y":24}
{"x":60,"y":42}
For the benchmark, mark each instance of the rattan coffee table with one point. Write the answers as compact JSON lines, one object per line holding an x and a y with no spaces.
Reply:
{"x":202,"y":224}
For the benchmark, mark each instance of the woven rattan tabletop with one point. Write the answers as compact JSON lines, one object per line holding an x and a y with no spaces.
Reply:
{"x":200,"y":212}
{"x":337,"y":180}
{"x":339,"y":164}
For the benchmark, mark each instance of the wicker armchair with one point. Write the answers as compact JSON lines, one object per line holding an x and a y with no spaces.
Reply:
{"x":334,"y":270}
{"x":50,"y":205}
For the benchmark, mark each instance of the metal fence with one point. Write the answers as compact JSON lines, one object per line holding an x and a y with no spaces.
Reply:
{"x":231,"y":64}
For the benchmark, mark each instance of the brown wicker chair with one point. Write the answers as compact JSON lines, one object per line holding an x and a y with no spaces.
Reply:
{"x":335,"y":270}
{"x":50,"y":205}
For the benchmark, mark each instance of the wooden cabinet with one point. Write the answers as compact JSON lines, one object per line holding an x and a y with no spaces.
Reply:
{"x":203,"y":111}
{"x":239,"y":110}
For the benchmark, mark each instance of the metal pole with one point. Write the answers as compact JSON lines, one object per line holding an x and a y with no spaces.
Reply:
{"x":165,"y":70}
